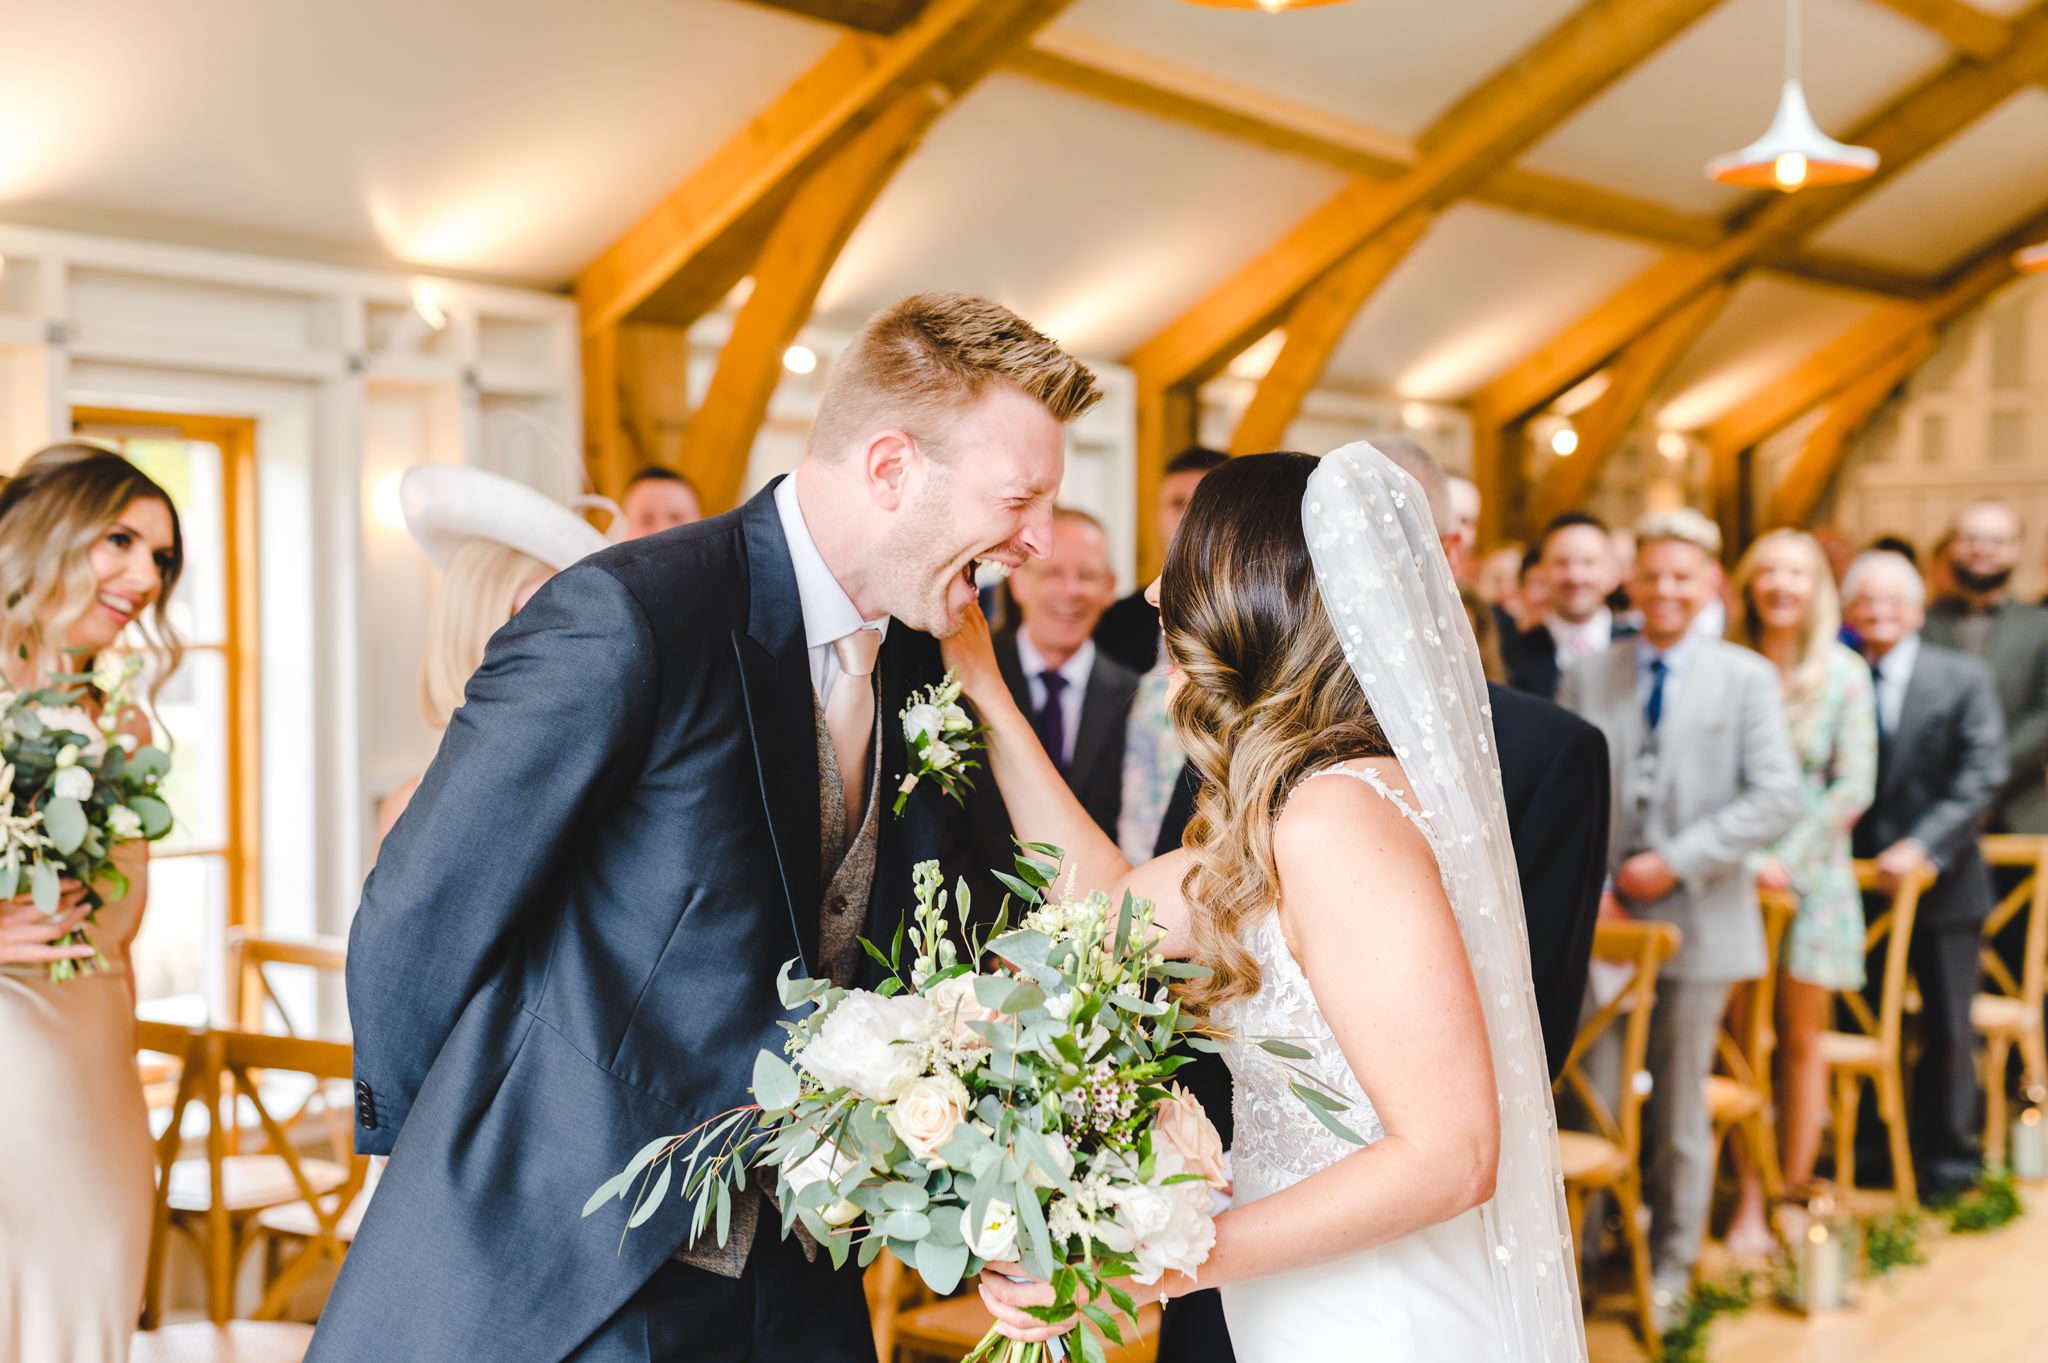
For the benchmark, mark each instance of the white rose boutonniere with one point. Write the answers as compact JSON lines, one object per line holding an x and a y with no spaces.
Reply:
{"x":939,"y":739}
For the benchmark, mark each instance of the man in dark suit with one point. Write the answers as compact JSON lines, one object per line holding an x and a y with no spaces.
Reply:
{"x":1078,"y":697}
{"x":1576,"y":558}
{"x":1129,"y":632}
{"x":1985,"y":620}
{"x":1554,"y":777}
{"x":1941,"y":761}
{"x":670,"y":776}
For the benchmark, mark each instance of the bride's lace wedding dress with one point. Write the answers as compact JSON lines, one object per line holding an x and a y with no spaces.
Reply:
{"x":1429,"y":1297}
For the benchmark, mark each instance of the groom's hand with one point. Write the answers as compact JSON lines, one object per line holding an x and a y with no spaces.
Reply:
{"x":1006,"y":1301}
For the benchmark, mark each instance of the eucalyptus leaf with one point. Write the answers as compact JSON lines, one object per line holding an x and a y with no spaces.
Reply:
{"x":154,"y":813}
{"x":1286,"y":1050}
{"x":1337,"y":1128}
{"x":775,"y":1083}
{"x":941,"y":1265}
{"x":43,"y":884}
{"x":651,"y":1203}
{"x":64,"y":821}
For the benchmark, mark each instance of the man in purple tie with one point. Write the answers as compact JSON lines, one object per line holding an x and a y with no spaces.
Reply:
{"x":1077,"y":696}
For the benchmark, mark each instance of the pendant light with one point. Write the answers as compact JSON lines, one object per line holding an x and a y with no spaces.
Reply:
{"x":1793,"y":153}
{"x":1269,"y":6}
{"x":2031,"y":259}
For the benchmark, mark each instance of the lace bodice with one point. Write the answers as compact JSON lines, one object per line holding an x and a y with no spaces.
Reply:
{"x":1279,"y":1141}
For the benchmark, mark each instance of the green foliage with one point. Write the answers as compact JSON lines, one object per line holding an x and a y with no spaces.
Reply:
{"x":1892,"y":1241}
{"x":1686,"y":1340}
{"x":1994,"y":1202}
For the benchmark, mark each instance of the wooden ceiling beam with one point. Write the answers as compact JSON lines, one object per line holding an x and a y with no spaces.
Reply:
{"x":698,"y":240}
{"x":1867,"y":345}
{"x":1820,"y":457}
{"x":1964,"y":27}
{"x":794,"y":261}
{"x":1314,"y":326}
{"x":1836,"y":271}
{"x":1479,"y":135}
{"x":1604,"y":424}
{"x":1914,"y":124}
{"x":868,"y":16}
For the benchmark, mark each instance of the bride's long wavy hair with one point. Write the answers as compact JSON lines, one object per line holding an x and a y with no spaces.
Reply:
{"x":1266,"y":696}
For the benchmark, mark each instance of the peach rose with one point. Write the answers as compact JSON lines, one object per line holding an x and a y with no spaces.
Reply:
{"x":953,"y":1004}
{"x":1180,"y":1121}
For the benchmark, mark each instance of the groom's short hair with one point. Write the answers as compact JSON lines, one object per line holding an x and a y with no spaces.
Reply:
{"x":916,"y":364}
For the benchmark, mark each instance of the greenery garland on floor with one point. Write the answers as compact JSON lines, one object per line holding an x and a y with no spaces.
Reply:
{"x":1891,"y":1241}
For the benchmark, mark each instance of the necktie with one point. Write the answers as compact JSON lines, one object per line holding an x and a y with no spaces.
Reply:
{"x":1653,"y":712}
{"x":1051,"y":719}
{"x":850,"y":718}
{"x":1877,"y":702}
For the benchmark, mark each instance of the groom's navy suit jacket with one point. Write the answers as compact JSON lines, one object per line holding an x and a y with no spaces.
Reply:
{"x":569,"y":944}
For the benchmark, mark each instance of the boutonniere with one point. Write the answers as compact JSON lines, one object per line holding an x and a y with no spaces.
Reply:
{"x":939,"y":738}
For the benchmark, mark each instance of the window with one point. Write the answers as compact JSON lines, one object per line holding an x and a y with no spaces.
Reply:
{"x":203,"y":877}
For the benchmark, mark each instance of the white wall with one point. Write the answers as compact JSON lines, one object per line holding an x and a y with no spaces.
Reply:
{"x":347,"y":388}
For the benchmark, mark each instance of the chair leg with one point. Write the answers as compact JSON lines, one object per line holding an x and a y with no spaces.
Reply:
{"x":2034,"y":1052}
{"x":1848,"y":1089}
{"x":1760,"y":1131}
{"x":1630,"y":1203}
{"x":1997,"y":1052}
{"x":1892,"y":1104}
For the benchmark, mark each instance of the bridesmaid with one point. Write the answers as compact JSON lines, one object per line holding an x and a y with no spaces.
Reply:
{"x":1786,"y":609}
{"x":88,"y":546}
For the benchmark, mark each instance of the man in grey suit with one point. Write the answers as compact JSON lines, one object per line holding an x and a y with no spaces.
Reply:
{"x":1703,"y":775}
{"x":1985,"y":620}
{"x":1940,"y":761}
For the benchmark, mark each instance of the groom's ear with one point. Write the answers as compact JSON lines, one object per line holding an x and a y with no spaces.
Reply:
{"x":888,"y":459}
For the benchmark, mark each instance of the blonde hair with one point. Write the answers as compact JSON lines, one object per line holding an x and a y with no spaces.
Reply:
{"x":478,"y":594}
{"x":917,"y":364}
{"x":1683,"y":525}
{"x":1268,"y":697}
{"x":53,"y":510}
{"x":1818,"y":633}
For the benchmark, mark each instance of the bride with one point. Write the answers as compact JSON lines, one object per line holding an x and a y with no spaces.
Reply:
{"x":1349,"y":881}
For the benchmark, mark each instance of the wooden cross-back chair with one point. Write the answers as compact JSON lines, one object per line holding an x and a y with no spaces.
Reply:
{"x":1609,"y":1157}
{"x":1739,"y":1092}
{"x":215,"y":1200}
{"x":1872,"y":1053}
{"x":2007,"y":1014}
{"x":251,"y":990}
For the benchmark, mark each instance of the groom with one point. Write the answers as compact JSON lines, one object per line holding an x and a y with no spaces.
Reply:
{"x":670,"y":775}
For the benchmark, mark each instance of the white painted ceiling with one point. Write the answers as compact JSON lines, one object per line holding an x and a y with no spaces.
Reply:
{"x":515,"y":139}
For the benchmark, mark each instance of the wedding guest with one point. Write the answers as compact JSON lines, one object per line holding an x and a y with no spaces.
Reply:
{"x":1533,"y":589}
{"x":1704,"y":776}
{"x":1079,"y":698}
{"x":1486,"y":633}
{"x":1577,"y":560}
{"x":658,"y":499}
{"x":1129,"y":633}
{"x":1498,"y":579}
{"x":1941,"y":761}
{"x":1622,"y":542}
{"x":90,"y":550}
{"x":1981,"y":617}
{"x":1900,"y":545}
{"x":1786,"y":609}
{"x":497,"y":542}
{"x":1465,"y":508}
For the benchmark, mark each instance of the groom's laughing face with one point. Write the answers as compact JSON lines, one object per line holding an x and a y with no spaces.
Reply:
{"x":983,"y":493}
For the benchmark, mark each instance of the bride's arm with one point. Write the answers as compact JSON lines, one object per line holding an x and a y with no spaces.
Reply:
{"x":1042,"y":808}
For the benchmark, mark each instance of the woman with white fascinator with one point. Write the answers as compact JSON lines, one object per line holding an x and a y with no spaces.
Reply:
{"x":497,"y":542}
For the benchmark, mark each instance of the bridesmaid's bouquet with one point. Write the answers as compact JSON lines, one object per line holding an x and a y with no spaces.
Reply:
{"x":72,"y":788}
{"x":959,"y":1116}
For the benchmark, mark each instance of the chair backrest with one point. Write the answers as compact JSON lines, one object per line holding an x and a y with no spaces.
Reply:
{"x":1642,"y":947}
{"x":2026,"y":852}
{"x":1745,"y":1054}
{"x":1894,"y":929}
{"x":250,"y":986}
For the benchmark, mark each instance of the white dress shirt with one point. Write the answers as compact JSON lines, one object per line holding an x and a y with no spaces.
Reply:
{"x":829,"y":613}
{"x":1574,"y":642}
{"x":1674,"y":659}
{"x":1076,"y":670}
{"x":1894,"y":673}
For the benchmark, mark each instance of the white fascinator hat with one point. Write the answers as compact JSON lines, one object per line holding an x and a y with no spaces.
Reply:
{"x":449,"y":505}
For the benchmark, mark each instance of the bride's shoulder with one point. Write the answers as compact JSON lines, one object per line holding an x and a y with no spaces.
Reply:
{"x":1351,"y":816}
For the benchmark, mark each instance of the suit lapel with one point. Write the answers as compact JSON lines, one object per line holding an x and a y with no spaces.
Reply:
{"x":1091,"y":743}
{"x":1921,"y":692}
{"x":775,"y":674}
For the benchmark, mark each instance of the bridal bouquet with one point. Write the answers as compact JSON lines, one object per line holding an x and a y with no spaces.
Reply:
{"x":959,"y":1116}
{"x":72,"y":788}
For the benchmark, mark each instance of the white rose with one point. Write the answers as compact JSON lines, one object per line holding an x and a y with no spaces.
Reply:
{"x":995,"y":1239}
{"x":868,"y":1044}
{"x":926,"y":1113}
{"x":955,"y":1006}
{"x":124,"y":823}
{"x":922,"y":721}
{"x":1171,"y":1223}
{"x":827,"y":1163}
{"x":126,"y":742}
{"x":73,"y":783}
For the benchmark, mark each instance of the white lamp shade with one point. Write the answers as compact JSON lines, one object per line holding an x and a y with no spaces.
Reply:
{"x":1793,"y":153}
{"x":2031,"y":259}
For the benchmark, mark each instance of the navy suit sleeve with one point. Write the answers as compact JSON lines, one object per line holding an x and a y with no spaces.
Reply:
{"x":1561,"y":855}
{"x":552,"y":724}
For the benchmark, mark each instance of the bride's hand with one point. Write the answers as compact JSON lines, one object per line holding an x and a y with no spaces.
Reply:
{"x":971,"y":654}
{"x":1006,"y":1299}
{"x":26,"y":933}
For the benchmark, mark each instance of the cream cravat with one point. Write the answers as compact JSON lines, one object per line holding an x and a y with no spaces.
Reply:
{"x":850,"y":718}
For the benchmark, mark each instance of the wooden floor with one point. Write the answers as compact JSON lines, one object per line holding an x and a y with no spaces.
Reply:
{"x":1977,"y":1297}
